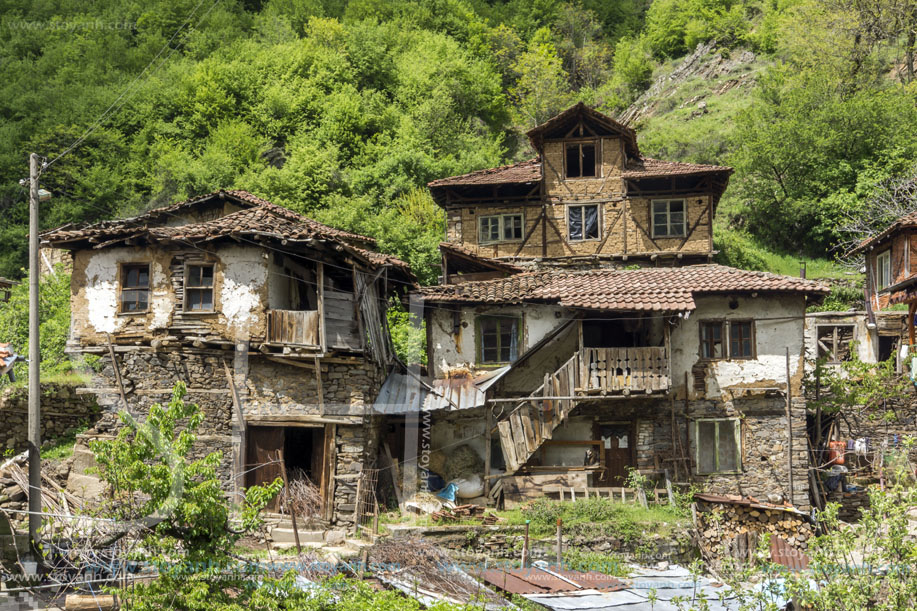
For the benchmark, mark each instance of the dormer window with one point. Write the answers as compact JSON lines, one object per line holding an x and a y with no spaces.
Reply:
{"x":499,"y":228}
{"x":581,"y":159}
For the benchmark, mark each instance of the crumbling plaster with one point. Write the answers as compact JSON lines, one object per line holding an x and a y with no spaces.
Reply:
{"x":240,"y":293}
{"x":779,"y":325}
{"x":451,"y":351}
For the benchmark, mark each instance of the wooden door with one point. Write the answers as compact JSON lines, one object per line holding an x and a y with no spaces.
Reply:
{"x":618,"y":440}
{"x":265,"y":444}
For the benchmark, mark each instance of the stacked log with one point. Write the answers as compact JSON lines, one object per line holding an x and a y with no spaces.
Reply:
{"x":728,"y":530}
{"x":464,"y":512}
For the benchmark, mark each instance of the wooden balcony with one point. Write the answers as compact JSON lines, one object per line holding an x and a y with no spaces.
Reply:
{"x":605,"y":371}
{"x":294,"y":327}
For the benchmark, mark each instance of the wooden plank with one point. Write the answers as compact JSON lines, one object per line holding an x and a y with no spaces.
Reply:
{"x":507,"y":445}
{"x":515,"y":421}
{"x":525,"y":418}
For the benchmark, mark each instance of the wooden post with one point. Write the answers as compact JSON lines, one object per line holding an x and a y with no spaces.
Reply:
{"x":116,"y":369}
{"x":789,"y":427}
{"x":320,"y":299}
{"x":488,"y":426}
{"x":525,"y":545}
{"x":560,"y":555}
{"x":286,"y":488}
{"x":318,"y":385}
{"x":34,"y":420}
{"x":668,"y":488}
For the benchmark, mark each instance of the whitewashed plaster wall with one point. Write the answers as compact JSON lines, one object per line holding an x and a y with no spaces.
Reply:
{"x":779,"y":324}
{"x":243,"y":293}
{"x":867,"y":341}
{"x":94,"y":285}
{"x":452,"y":351}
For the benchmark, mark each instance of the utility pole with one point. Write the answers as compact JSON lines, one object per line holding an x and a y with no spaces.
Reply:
{"x":34,"y":363}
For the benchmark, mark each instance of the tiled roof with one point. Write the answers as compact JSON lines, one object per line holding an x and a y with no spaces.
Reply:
{"x":260,"y":219}
{"x":667,"y":289}
{"x":466,"y":253}
{"x":649,"y":168}
{"x":522,"y":172}
{"x":530,"y":171}
{"x":908,"y":221}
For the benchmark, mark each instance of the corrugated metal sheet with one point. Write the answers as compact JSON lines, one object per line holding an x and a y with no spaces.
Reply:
{"x":535,"y":580}
{"x":790,"y":557}
{"x":404,"y":393}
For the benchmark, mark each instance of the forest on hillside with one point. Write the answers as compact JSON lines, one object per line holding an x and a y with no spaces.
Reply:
{"x":344,"y":110}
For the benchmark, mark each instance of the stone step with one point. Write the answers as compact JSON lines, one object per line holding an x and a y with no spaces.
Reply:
{"x":285,"y":535}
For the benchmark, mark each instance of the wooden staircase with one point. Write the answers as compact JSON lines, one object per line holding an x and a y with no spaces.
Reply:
{"x":529,"y":424}
{"x":590,"y":373}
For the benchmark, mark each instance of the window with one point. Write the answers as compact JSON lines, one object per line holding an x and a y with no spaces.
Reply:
{"x":668,"y":218}
{"x":135,"y":287}
{"x":718,"y":445}
{"x":715,"y":333}
{"x":581,"y":160}
{"x":199,"y":288}
{"x":883,"y":269}
{"x":583,"y":222}
{"x":834,"y":342}
{"x":499,"y":228}
{"x":498,"y":339}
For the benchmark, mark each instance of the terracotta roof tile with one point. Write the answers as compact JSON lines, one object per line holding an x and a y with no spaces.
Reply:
{"x":647,"y":167}
{"x":522,"y":172}
{"x":530,"y":171}
{"x":908,"y":221}
{"x":261,"y":219}
{"x":651,"y":289}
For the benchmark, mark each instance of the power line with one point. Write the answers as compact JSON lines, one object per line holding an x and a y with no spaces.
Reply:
{"x":115,"y":106}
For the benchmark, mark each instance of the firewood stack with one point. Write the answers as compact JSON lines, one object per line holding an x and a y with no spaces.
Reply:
{"x":464,"y":512}
{"x":731,"y":530}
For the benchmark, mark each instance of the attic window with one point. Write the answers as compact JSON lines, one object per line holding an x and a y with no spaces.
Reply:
{"x":199,"y":288}
{"x":135,"y":287}
{"x":581,"y":160}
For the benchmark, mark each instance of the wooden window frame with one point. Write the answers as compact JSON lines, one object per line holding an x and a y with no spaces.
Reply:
{"x":122,"y":277}
{"x":479,"y":339}
{"x":834,"y":341}
{"x":186,"y":287}
{"x":737,"y":432}
{"x":668,"y":216}
{"x":599,"y":219}
{"x":501,"y":226}
{"x":726,"y":337}
{"x":886,"y":256}
{"x":597,"y":145}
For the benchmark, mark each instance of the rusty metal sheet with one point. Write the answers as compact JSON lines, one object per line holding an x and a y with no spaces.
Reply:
{"x":788,"y":556}
{"x":540,"y":581}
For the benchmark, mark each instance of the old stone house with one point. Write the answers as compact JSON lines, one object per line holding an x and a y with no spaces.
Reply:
{"x":581,"y":329}
{"x":275,"y":322}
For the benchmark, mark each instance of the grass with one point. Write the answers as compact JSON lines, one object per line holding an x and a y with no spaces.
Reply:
{"x":62,"y":448}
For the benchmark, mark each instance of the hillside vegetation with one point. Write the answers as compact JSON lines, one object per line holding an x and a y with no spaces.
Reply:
{"x":344,"y":110}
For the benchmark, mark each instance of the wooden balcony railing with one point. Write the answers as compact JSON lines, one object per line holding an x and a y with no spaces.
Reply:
{"x":294,"y":327}
{"x":624,"y":370}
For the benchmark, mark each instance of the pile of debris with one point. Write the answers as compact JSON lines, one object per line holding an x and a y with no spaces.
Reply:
{"x":423,"y":571}
{"x":465,"y":512}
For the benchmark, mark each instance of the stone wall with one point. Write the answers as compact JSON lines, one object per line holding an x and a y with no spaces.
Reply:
{"x":269,"y":392}
{"x":62,"y":412}
{"x":763,"y":433}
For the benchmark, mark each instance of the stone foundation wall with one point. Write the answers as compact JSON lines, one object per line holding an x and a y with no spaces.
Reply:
{"x":63,"y":411}
{"x":265,"y":389}
{"x":764,"y":442}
